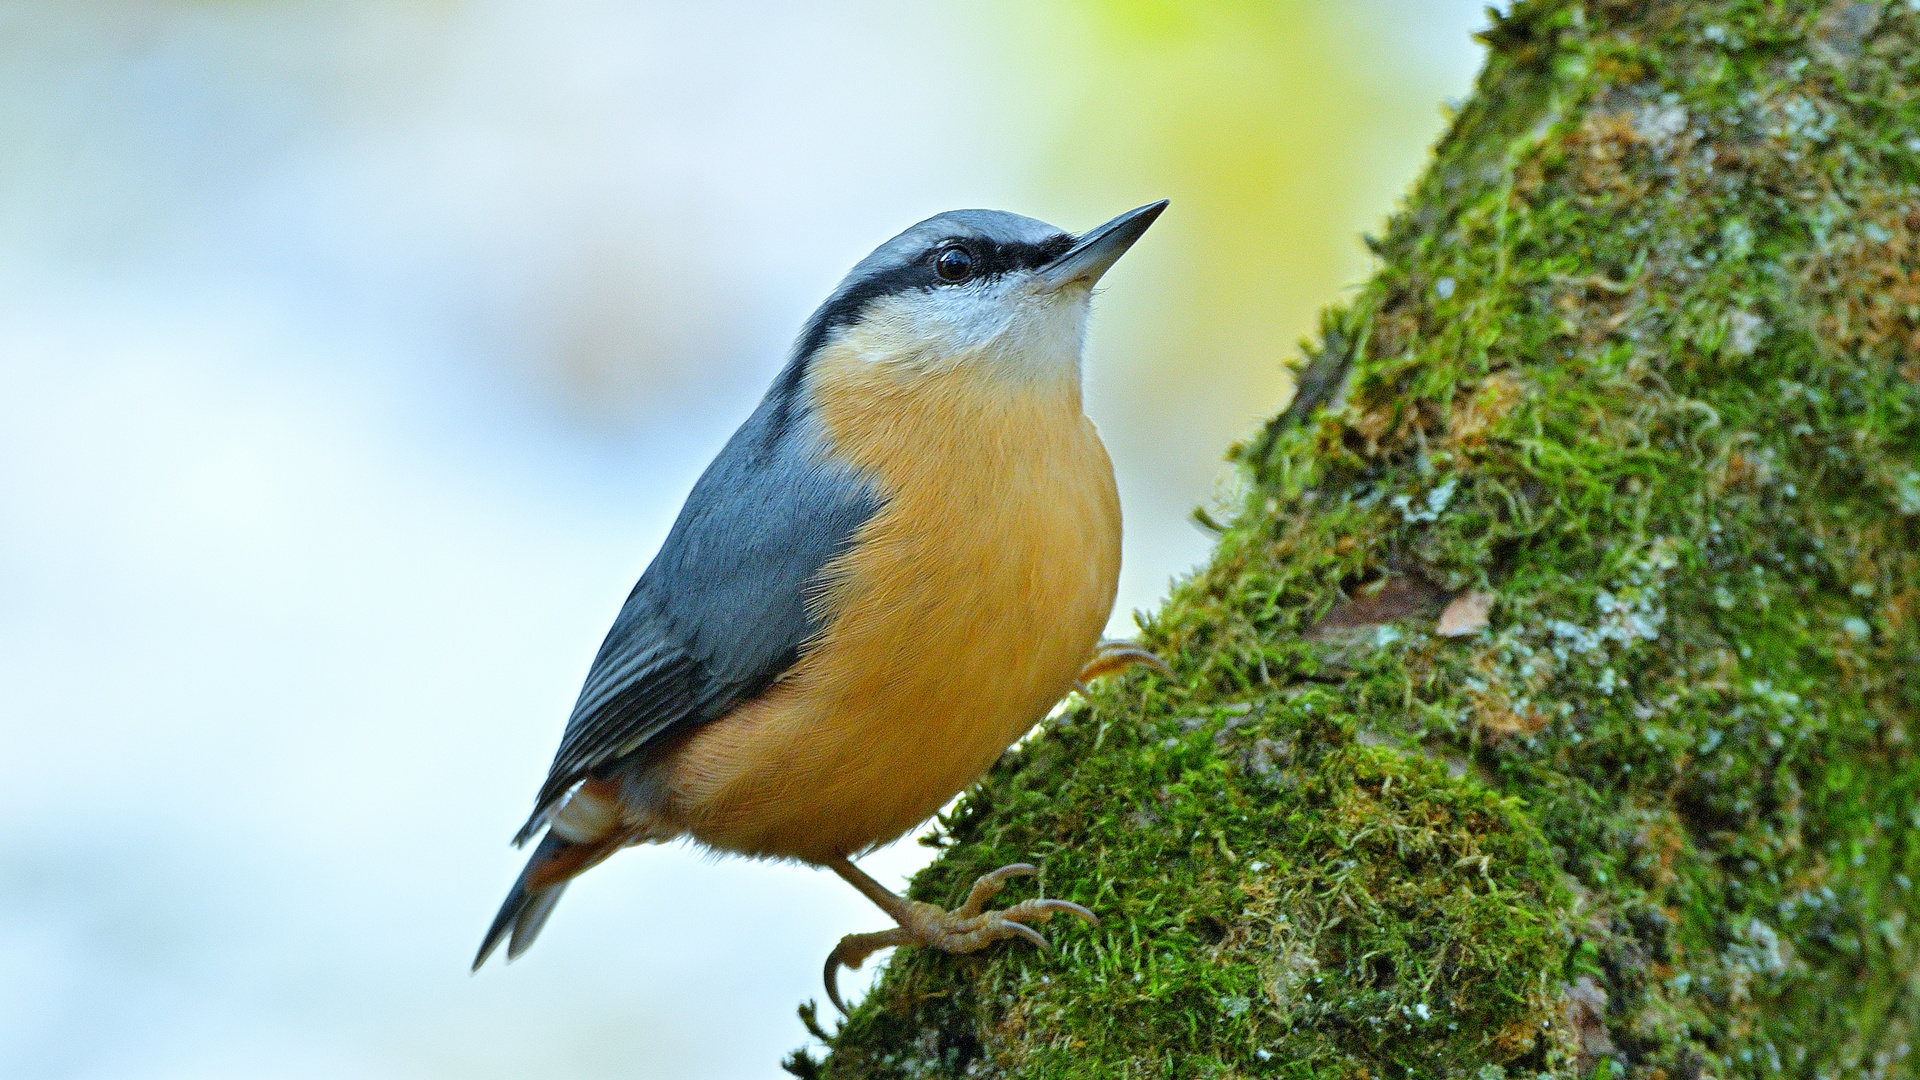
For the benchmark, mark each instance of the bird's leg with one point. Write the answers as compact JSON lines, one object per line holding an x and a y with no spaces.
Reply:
{"x":1113,"y":655}
{"x":965,"y":929}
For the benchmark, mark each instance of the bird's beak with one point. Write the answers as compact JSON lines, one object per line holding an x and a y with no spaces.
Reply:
{"x":1094,"y":252}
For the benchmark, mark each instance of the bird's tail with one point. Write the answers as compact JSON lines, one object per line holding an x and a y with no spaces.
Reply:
{"x":582,"y":833}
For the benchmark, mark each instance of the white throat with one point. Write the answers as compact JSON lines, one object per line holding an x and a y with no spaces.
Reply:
{"x":1012,"y":327}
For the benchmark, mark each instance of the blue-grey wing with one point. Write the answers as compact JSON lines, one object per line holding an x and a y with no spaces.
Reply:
{"x":723,"y":610}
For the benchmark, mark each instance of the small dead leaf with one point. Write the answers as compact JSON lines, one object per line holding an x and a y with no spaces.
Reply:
{"x":1466,"y":614}
{"x":1499,"y":721}
{"x":1385,"y":601}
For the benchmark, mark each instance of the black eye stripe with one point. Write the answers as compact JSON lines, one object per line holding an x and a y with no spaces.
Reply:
{"x":990,"y":259}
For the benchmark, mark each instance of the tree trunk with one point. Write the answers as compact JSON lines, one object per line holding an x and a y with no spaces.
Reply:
{"x":1550,"y":705}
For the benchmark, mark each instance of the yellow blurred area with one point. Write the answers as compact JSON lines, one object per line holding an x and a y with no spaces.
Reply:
{"x":1282,"y":131}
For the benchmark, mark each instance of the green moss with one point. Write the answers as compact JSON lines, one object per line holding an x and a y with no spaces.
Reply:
{"x":1642,"y":364}
{"x":1267,"y":886}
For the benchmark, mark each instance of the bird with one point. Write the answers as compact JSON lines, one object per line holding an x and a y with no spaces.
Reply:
{"x":899,"y":563}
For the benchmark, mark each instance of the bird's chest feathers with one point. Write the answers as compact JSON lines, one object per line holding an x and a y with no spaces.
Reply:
{"x":1000,"y":511}
{"x":960,"y":613}
{"x":969,"y":602}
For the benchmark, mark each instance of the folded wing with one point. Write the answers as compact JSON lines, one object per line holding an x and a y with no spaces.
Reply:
{"x":725,"y":607}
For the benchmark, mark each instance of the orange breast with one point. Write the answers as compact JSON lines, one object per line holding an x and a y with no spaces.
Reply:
{"x":960,"y":616}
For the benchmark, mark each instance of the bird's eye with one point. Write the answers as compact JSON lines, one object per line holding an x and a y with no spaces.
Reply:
{"x":954,"y":263}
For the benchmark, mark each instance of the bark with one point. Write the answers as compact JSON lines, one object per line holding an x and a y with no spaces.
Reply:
{"x":1549,"y":705}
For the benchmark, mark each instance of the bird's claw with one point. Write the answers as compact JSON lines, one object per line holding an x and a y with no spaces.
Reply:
{"x":1112,"y":655}
{"x":963,"y":930}
{"x":853,"y":951}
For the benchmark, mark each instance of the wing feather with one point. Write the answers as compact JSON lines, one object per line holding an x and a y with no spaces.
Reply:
{"x":724,"y":608}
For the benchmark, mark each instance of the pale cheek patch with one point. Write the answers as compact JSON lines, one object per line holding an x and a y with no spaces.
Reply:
{"x":1006,"y":326}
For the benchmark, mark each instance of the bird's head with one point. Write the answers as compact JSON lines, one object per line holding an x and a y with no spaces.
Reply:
{"x":986,"y":288}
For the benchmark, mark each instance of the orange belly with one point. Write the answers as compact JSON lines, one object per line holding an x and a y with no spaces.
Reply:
{"x":958,"y":618}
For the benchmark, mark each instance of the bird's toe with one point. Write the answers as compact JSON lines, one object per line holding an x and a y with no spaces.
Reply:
{"x":965,"y":929}
{"x":1114,"y":656}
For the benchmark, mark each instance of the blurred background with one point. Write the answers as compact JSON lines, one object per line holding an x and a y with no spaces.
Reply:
{"x":354,"y":358}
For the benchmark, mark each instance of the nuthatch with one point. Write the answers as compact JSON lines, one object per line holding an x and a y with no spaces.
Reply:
{"x":896,"y":567}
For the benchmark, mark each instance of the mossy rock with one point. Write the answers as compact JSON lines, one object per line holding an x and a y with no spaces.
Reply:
{"x":1631,"y":411}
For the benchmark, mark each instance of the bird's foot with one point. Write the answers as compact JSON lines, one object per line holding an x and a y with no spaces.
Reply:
{"x":1113,"y":655}
{"x":965,"y":929}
